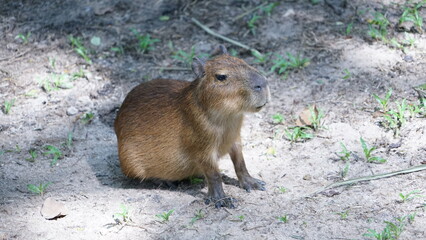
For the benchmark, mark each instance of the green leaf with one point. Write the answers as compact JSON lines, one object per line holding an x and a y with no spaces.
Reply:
{"x":95,"y":41}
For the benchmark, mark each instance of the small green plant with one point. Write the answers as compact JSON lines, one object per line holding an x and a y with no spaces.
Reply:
{"x":410,"y":196}
{"x":241,"y":218}
{"x":347,"y":74}
{"x":411,"y":14}
{"x":269,"y":8}
{"x":345,"y":153}
{"x":38,"y":189}
{"x":118,"y":50}
{"x":195,"y":180}
{"x":33,"y":155}
{"x":251,"y":23}
{"x":384,"y":102}
{"x":165,"y":215}
{"x":184,"y":57}
{"x":261,"y":58}
{"x":278,"y":118}
{"x":394,"y":119}
{"x":291,"y":62}
{"x":316,"y":117}
{"x":123,"y":216}
{"x":54,"y":152}
{"x":87,"y":118}
{"x":283,"y":219}
{"x":343,"y":215}
{"x":282,"y":189}
{"x":145,"y":42}
{"x":79,"y":48}
{"x":367,"y":152}
{"x":297,"y":134}
{"x":8,"y":105}
{"x":392,"y":230}
{"x":197,"y":216}
{"x":345,"y":169}
{"x":24,"y":37}
{"x":348,"y":29}
{"x":378,"y":27}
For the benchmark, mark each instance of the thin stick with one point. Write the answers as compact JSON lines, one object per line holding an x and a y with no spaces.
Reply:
{"x":208,"y":30}
{"x":249,"y":11}
{"x":172,"y":68}
{"x":369,"y":178}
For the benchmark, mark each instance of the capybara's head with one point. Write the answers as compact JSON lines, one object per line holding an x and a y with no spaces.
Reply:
{"x":228,"y":85}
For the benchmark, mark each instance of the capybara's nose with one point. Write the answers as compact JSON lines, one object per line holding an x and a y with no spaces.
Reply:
{"x":258,"y":82}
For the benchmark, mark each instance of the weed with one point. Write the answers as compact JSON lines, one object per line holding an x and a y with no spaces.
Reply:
{"x":343,"y":215}
{"x":410,"y":196}
{"x":8,"y":105}
{"x":251,"y":24}
{"x":349,"y":28}
{"x":345,"y":153}
{"x":378,"y":27}
{"x":197,"y":216}
{"x":271,"y":151}
{"x":145,"y":42}
{"x":283,"y":65}
{"x":283,"y":219}
{"x":411,"y":217}
{"x":24,"y":38}
{"x":165,"y":216}
{"x":384,"y":102}
{"x":282,"y":189}
{"x":118,"y":50}
{"x":241,"y":218}
{"x":164,"y":18}
{"x":345,"y":169}
{"x":124,"y":215}
{"x":260,"y":58}
{"x":316,"y":116}
{"x":412,"y":15}
{"x":33,"y":155}
{"x":69,"y":140}
{"x":298,"y":133}
{"x":79,"y":74}
{"x":395,"y":119}
{"x":367,"y":152}
{"x":347,"y":74}
{"x":54,"y":152}
{"x":392,"y":230}
{"x":79,"y":48}
{"x":185,"y":57}
{"x":87,"y":118}
{"x":40,"y":189}
{"x":195,"y":180}
{"x":278,"y":118}
{"x":269,"y":8}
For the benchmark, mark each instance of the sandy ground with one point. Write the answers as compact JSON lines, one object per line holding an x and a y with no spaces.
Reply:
{"x":87,"y":179}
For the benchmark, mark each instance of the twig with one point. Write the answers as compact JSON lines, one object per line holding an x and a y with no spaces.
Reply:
{"x":249,"y":11}
{"x":172,"y":68}
{"x":208,"y":30}
{"x":369,"y":178}
{"x":15,"y":56}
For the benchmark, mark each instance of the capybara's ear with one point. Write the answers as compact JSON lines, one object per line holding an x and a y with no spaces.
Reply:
{"x":198,"y":67}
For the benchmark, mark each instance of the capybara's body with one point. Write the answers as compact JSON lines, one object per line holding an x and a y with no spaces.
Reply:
{"x":172,"y":130}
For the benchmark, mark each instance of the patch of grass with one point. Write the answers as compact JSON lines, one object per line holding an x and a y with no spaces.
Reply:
{"x":184,"y":57}
{"x":410,"y":196}
{"x":347,"y":74}
{"x":251,"y":23}
{"x":38,"y":189}
{"x":283,"y":219}
{"x":367,"y":152}
{"x":69,"y":141}
{"x":378,"y":27}
{"x":349,"y":28}
{"x":285,"y":64}
{"x":195,"y":180}
{"x":33,"y":155}
{"x":197,"y":216}
{"x":7,"y":106}
{"x":345,"y":169}
{"x":54,"y":81}
{"x":384,"y":102}
{"x":392,"y":230}
{"x":282,"y":189}
{"x":87,"y":118}
{"x":278,"y":118}
{"x":118,"y":50}
{"x":79,"y":48}
{"x":54,"y":152}
{"x":297,"y":134}
{"x":411,"y":14}
{"x":145,"y":42}
{"x":345,"y":153}
{"x":165,"y":215}
{"x":269,"y":8}
{"x":343,"y":215}
{"x":394,"y":119}
{"x":316,"y":117}
{"x":261,"y":58}
{"x":123,"y":216}
{"x":24,"y":37}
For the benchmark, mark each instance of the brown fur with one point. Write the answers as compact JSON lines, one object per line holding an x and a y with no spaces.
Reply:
{"x":172,"y":130}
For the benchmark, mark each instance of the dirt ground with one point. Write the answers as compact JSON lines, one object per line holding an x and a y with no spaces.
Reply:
{"x":346,"y":68}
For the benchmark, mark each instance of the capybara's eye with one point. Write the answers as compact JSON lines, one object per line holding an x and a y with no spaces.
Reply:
{"x":221,"y":77}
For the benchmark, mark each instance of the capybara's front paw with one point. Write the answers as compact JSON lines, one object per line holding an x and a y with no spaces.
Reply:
{"x":227,"y":202}
{"x":249,"y":183}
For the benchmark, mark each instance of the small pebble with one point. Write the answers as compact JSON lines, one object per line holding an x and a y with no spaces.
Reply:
{"x":71,"y":111}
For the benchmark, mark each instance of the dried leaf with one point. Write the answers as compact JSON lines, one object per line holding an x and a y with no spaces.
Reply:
{"x":305,"y":117}
{"x":52,"y":209}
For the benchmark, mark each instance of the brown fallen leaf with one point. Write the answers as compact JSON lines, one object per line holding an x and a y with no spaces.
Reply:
{"x":53,"y":209}
{"x":305,"y":117}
